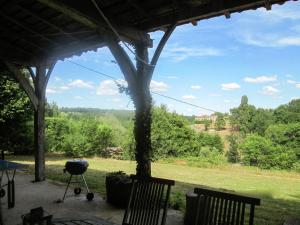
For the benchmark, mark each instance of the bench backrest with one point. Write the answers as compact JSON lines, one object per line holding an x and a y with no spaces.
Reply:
{"x":222,"y":208}
{"x":148,"y":201}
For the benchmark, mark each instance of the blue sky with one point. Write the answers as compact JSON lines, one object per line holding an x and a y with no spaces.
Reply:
{"x":254,"y":53}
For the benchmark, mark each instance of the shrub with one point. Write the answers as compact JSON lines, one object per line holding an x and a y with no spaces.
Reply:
{"x":259,"y":151}
{"x":233,"y":154}
{"x":57,"y":128}
{"x":286,"y":135}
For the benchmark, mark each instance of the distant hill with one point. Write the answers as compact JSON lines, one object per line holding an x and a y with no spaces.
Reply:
{"x":120,"y":114}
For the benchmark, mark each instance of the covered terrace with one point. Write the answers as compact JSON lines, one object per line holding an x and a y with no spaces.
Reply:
{"x":35,"y":34}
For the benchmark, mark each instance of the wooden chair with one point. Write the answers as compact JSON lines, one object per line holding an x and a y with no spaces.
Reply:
{"x":222,"y":208}
{"x":148,"y":201}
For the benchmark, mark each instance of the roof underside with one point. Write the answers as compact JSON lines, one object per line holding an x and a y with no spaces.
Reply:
{"x":35,"y":30}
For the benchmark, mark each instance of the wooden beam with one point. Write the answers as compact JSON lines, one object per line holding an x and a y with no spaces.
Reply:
{"x":140,"y":9}
{"x":128,"y":34}
{"x":25,"y":83}
{"x":25,"y":27}
{"x":201,"y":12}
{"x":31,"y":74}
{"x":14,"y":48}
{"x":124,"y":62}
{"x":47,"y":22}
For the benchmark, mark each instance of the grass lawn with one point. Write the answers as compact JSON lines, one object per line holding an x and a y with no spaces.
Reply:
{"x":279,"y":190}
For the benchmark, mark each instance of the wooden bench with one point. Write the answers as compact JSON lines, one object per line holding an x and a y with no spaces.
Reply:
{"x":208,"y":206}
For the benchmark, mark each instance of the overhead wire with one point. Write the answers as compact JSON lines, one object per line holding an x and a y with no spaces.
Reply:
{"x":162,"y":95}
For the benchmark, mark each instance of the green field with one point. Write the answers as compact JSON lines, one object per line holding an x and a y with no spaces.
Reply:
{"x":279,"y":190}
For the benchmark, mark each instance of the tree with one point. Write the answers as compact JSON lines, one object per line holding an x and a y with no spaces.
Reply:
{"x":233,"y":154}
{"x":244,"y":100}
{"x":172,"y":135}
{"x":261,"y":120}
{"x":285,"y":135}
{"x":242,"y":117}
{"x":206,"y":123}
{"x":220,"y":121}
{"x":15,"y":112}
{"x":260,"y":151}
{"x":288,"y":113}
{"x":51,"y":109}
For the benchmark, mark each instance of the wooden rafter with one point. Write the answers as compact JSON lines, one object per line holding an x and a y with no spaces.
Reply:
{"x":129,"y":34}
{"x":25,"y":27}
{"x":15,"y":48}
{"x":60,"y":30}
{"x":140,"y":9}
{"x":24,"y":83}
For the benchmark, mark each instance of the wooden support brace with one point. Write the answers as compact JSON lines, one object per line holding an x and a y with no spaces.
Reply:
{"x":24,"y":82}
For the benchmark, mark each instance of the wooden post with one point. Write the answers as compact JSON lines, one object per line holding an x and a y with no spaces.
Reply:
{"x":143,"y":103}
{"x":37,"y":96}
{"x":138,"y":79}
{"x":39,"y":123}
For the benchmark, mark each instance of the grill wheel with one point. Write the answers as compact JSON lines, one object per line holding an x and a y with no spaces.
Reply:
{"x":77,"y":191}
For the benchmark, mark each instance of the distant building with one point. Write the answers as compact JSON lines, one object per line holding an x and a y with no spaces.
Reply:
{"x":211,"y":117}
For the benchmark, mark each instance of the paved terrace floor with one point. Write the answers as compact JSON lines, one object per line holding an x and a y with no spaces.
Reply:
{"x":31,"y":195}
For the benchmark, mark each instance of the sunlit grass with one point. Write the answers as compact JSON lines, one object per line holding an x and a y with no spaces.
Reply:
{"x":279,"y":190}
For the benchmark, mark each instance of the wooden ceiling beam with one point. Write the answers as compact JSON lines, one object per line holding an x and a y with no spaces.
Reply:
{"x":25,"y":27}
{"x":53,"y":26}
{"x":140,"y":10}
{"x":127,"y":33}
{"x":14,"y":48}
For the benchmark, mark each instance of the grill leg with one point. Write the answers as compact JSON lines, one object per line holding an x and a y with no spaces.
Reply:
{"x":11,"y":194}
{"x":87,"y":188}
{"x":67,"y":188}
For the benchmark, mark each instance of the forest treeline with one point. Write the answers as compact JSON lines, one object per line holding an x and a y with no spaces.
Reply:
{"x":267,"y":138}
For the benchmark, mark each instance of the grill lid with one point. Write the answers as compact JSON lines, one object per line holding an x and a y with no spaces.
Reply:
{"x":76,"y":167}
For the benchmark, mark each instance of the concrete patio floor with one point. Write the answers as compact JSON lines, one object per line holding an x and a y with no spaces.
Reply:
{"x":31,"y":195}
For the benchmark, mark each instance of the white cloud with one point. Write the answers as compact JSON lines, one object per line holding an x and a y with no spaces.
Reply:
{"x":230,"y":86}
{"x":157,"y":86}
{"x":178,"y":53}
{"x":78,"y":97}
{"x":226,"y":101}
{"x":282,"y":13}
{"x":196,"y":87}
{"x":289,"y":41}
{"x":298,"y":85}
{"x":51,"y":91}
{"x":273,"y":40}
{"x":188,"y":97}
{"x":215,"y":95}
{"x":81,"y":84}
{"x":109,"y":87}
{"x":260,"y":79}
{"x":56,"y":78}
{"x":64,"y":88}
{"x":172,"y":77}
{"x":116,"y":99}
{"x":269,"y":90}
{"x":291,"y":81}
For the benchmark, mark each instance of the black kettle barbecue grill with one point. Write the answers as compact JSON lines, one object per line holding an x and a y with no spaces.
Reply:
{"x":77,"y":168}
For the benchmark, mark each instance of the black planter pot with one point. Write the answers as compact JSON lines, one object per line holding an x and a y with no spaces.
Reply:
{"x":118,"y":188}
